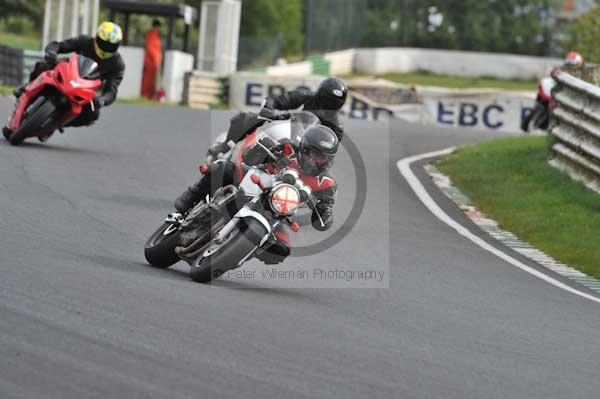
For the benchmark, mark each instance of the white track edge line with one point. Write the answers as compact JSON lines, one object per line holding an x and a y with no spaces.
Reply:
{"x":416,"y":185}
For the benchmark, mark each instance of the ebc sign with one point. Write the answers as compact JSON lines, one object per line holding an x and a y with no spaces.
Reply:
{"x":504,"y":115}
{"x":256,"y":92}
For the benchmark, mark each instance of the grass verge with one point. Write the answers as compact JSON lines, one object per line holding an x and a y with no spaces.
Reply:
{"x":510,"y":180}
{"x":20,"y":41}
{"x":6,"y":91}
{"x":455,"y":82}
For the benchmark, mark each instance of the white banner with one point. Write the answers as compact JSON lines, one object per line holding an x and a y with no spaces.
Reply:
{"x":494,"y":110}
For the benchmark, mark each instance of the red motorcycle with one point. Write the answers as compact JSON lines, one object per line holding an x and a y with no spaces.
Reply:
{"x":53,"y":99}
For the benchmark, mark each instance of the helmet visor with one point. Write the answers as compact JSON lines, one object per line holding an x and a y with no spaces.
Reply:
{"x":102,"y":54}
{"x":317,"y":158}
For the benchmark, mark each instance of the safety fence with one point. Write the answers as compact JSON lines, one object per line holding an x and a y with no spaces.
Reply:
{"x":576,"y":129}
{"x":11,"y":66}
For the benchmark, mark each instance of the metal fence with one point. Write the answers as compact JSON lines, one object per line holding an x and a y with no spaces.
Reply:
{"x":576,"y":131}
{"x":11,"y":66}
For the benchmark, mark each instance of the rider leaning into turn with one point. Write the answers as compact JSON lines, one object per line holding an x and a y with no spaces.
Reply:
{"x":103,"y":49}
{"x":325,"y":103}
{"x":312,"y":159}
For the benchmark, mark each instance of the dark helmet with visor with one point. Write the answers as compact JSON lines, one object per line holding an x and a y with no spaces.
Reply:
{"x":317,"y":150}
{"x":331,"y":94}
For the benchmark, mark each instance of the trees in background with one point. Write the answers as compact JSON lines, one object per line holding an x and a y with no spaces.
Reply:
{"x":291,"y":26}
{"x":585,"y":36}
{"x":513,"y":26}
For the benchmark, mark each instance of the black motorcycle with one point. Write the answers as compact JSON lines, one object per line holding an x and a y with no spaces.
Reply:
{"x":239,"y":222}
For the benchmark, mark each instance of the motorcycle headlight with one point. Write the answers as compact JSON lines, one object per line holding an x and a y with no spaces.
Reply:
{"x":284,"y":199}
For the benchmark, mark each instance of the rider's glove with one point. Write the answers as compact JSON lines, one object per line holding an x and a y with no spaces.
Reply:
{"x":51,"y":56}
{"x":274,"y":115}
{"x":267,"y":113}
{"x":268,"y":143}
{"x":98,"y":103}
{"x":324,"y":209}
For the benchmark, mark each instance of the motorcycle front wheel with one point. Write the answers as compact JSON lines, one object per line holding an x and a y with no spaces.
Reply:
{"x":160,"y":247}
{"x":38,"y":119}
{"x":220,"y":258}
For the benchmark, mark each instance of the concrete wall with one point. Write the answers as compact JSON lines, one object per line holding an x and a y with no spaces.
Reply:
{"x":456,"y":63}
{"x":341,"y":62}
{"x":177,"y":63}
{"x":296,"y":69}
{"x":134,"y":67}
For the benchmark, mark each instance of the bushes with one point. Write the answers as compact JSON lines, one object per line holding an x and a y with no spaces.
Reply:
{"x":585,"y":35}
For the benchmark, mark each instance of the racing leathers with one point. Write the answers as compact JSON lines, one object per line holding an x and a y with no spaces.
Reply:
{"x":111,"y":73}
{"x":224,"y":172}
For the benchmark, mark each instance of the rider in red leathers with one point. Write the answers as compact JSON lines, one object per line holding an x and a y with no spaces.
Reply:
{"x":312,"y":159}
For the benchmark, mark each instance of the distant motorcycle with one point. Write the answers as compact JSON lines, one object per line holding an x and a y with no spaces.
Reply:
{"x":53,"y":99}
{"x":539,"y":117}
{"x":239,"y":221}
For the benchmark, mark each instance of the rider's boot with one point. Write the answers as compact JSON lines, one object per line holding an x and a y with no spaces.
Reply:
{"x":45,"y":138}
{"x":18,"y":92}
{"x":6,"y":132}
{"x":190,"y":197}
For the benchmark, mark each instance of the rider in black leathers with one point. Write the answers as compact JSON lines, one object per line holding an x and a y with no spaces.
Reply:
{"x":102,"y":48}
{"x":325,"y":103}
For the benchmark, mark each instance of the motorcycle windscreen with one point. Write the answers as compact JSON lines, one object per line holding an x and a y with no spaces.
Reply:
{"x":88,"y":68}
{"x":299,"y":122}
{"x":292,"y":129}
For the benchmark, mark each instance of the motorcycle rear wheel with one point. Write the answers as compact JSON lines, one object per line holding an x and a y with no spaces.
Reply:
{"x":33,"y":122}
{"x":159,"y":249}
{"x":229,"y":255}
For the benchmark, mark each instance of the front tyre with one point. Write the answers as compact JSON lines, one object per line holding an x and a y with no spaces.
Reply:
{"x":39,"y":119}
{"x":228,"y":256}
{"x":160,"y":247}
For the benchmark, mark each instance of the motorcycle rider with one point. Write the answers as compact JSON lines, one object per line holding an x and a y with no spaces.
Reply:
{"x":574,"y":60}
{"x":312,"y":159}
{"x":103,"y":49}
{"x":326,"y":103}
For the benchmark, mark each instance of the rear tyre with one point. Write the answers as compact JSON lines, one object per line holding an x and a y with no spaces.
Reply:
{"x":160,"y":248}
{"x":534,"y":118}
{"x":227,"y":257}
{"x":38,"y":119}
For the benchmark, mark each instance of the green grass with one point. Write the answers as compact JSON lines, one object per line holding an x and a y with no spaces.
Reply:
{"x":143,"y":101}
{"x":20,"y":41}
{"x":6,"y":91}
{"x":511,"y":181}
{"x":428,"y":79}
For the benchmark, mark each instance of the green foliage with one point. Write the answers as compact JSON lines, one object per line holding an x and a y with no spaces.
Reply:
{"x":585,"y":35}
{"x":423,"y":78}
{"x":31,"y":11}
{"x":512,"y":26}
{"x":273,"y":18}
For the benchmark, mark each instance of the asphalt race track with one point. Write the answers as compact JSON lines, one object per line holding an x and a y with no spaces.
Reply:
{"x":82,"y":316}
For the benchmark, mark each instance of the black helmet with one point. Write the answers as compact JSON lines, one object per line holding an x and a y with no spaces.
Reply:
{"x":317,"y":150}
{"x":331,"y":94}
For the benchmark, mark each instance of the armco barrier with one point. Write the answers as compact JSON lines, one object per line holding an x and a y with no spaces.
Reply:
{"x":576,"y":130}
{"x":11,"y":66}
{"x":30,"y":57}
